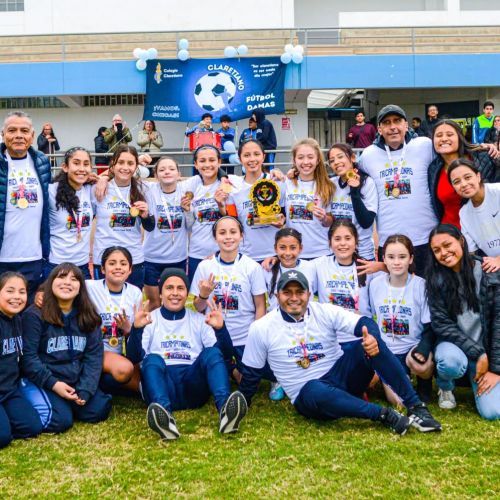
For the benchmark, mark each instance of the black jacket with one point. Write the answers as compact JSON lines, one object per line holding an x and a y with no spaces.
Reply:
{"x":447,"y":329}
{"x":427,"y":126}
{"x":265,"y":130}
{"x":53,"y":353}
{"x":100,"y":146}
{"x":11,"y":344}
{"x":45,"y":146}
{"x":481,"y":159}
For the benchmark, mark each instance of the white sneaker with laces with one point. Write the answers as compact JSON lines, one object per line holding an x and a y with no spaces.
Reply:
{"x":446,"y":400}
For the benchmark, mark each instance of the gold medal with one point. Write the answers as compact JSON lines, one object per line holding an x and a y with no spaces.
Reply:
{"x":113,"y":341}
{"x":350,"y":174}
{"x":22,"y":203}
{"x":310,"y":206}
{"x":78,"y":236}
{"x":189,"y":195}
{"x":396,"y":192}
{"x":226,"y":187}
{"x":305,"y":363}
{"x":134,"y":211}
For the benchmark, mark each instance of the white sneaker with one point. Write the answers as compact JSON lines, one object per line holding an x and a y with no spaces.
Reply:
{"x":446,"y":400}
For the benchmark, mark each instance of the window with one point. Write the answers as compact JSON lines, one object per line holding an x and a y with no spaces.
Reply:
{"x":113,"y":100}
{"x":11,"y":5}
{"x":31,"y":103}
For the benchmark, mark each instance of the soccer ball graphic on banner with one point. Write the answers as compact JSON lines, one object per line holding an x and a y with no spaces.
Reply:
{"x":215,"y":91}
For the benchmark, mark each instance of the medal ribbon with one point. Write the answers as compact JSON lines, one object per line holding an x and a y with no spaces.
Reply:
{"x":394,"y":314}
{"x":353,"y":290}
{"x":303,"y":339}
{"x":399,"y":165}
{"x":20,"y":182}
{"x":166,"y":206}
{"x":119,"y":193}
{"x":114,"y":328}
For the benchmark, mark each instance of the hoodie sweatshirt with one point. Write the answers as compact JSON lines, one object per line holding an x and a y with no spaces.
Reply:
{"x":265,"y":130}
{"x":54,"y":353}
{"x":10,"y":352}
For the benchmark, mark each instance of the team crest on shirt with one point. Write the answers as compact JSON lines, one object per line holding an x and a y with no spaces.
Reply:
{"x":297,"y":351}
{"x":401,"y":324}
{"x":397,"y":181}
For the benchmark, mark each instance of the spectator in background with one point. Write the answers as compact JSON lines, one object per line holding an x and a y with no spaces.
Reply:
{"x":483,"y":123}
{"x":150,"y":140}
{"x":432,"y":119}
{"x":100,"y":146}
{"x":205,"y":125}
{"x":117,"y":134}
{"x":227,"y":134}
{"x":362,"y":134}
{"x":492,"y":135}
{"x":250,"y":132}
{"x":416,"y":125}
{"x":266,"y":136}
{"x":48,"y":143}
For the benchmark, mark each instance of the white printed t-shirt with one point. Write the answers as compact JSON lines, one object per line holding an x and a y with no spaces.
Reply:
{"x":411,"y":212}
{"x":64,"y":243}
{"x":178,"y":342}
{"x":235,"y":286}
{"x":481,"y":225}
{"x":277,"y":341}
{"x":21,"y":238}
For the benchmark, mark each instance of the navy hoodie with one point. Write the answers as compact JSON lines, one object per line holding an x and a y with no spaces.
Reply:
{"x":66,"y":354}
{"x":10,"y":352}
{"x":265,"y":130}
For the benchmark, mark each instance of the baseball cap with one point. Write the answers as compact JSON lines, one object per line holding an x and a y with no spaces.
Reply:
{"x":390,"y":109}
{"x":292,"y":276}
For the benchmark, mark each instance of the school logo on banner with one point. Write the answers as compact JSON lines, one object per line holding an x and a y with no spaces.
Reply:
{"x":183,"y":91}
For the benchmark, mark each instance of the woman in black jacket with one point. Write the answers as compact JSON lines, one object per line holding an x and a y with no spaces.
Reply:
{"x":63,"y":353}
{"x":465,"y":312}
{"x":47,"y":142}
{"x":100,"y":146}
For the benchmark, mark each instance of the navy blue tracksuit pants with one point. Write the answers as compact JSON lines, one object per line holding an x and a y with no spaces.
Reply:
{"x":180,"y":387}
{"x":18,"y":419}
{"x":338,"y":393}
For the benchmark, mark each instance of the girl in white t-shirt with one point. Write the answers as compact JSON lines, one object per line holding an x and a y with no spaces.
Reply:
{"x":167,"y":245}
{"x":71,"y":212}
{"x":115,"y":301}
{"x":479,"y":217}
{"x":355,"y":197}
{"x":122,"y":212}
{"x":308,"y":198}
{"x":233,"y":280}
{"x":259,"y":238}
{"x":398,"y":304}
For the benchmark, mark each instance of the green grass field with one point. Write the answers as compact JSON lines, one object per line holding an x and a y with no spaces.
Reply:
{"x":277,"y":454}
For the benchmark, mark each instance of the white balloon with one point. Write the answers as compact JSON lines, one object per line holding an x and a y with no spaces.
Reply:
{"x":297,"y":58}
{"x":143,"y":172}
{"x":152,"y":53}
{"x":230,"y":51}
{"x":183,"y":44}
{"x":143,"y":54}
{"x":288,"y":48}
{"x":285,"y":57}
{"x":137,"y":52}
{"x":298,"y":49}
{"x":242,"y":50}
{"x":183,"y":55}
{"x":233,"y":159}
{"x":141,"y":64}
{"x":229,"y":147}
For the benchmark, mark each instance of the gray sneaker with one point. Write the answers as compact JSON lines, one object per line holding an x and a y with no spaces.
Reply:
{"x":162,"y":421}
{"x":446,"y":400}
{"x":232,"y":413}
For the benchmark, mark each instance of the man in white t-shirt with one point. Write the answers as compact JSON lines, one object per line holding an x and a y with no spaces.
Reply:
{"x":300,"y":343}
{"x":24,"y":206}
{"x":398,"y":162}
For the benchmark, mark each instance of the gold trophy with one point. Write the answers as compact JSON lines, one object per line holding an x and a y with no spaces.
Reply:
{"x":265,"y":196}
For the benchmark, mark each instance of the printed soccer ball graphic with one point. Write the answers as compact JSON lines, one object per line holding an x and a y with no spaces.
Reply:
{"x":215,"y":91}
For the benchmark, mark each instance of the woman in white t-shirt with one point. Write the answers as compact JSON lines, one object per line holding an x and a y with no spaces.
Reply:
{"x":116,"y":301}
{"x":233,"y":280}
{"x":355,"y":196}
{"x":167,"y":245}
{"x":479,"y":217}
{"x":308,"y":198}
{"x":122,"y":212}
{"x":259,"y":238}
{"x":71,"y":213}
{"x":398,"y":304}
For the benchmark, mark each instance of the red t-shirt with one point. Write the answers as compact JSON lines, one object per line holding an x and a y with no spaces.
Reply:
{"x":449,"y":199}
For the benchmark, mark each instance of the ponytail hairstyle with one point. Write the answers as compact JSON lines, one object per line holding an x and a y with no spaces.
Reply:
{"x":220,"y":173}
{"x":66,"y":197}
{"x":442,"y":281}
{"x":224,"y":217}
{"x":7,"y":275}
{"x":352,"y":229}
{"x":282,"y":233}
{"x":87,"y":317}
{"x":261,"y":147}
{"x":325,"y":189}
{"x":164,"y":158}
{"x":136,"y":192}
{"x":348,"y":151}
{"x":406,"y":242}
{"x":111,"y":250}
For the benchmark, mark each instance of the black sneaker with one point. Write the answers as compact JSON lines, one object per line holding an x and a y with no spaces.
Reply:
{"x":422,"y":419}
{"x":424,"y":389}
{"x":162,"y":421}
{"x":395,"y":420}
{"x":232,"y":413}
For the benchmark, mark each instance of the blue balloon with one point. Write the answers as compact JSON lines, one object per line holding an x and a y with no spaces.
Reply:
{"x":229,"y":147}
{"x":230,"y":51}
{"x":140,"y":64}
{"x":183,"y":55}
{"x":286,"y":58}
{"x":183,"y":44}
{"x":233,"y":159}
{"x":242,"y":50}
{"x":152,"y":53}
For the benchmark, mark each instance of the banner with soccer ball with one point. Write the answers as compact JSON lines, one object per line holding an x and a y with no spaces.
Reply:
{"x":184,"y":90}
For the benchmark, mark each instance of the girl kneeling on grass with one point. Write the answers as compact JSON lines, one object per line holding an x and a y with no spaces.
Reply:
{"x":18,"y":419}
{"x":399,"y":306}
{"x":464,"y":301}
{"x":183,"y":359}
{"x":62,"y":358}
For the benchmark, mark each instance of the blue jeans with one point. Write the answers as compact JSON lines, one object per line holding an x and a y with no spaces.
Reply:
{"x":193,"y":263}
{"x":180,"y":387}
{"x":49,"y":266}
{"x":136,"y":278}
{"x":338,"y":393}
{"x":452,"y":364}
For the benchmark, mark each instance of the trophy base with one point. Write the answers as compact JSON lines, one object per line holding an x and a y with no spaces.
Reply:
{"x":265,"y":220}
